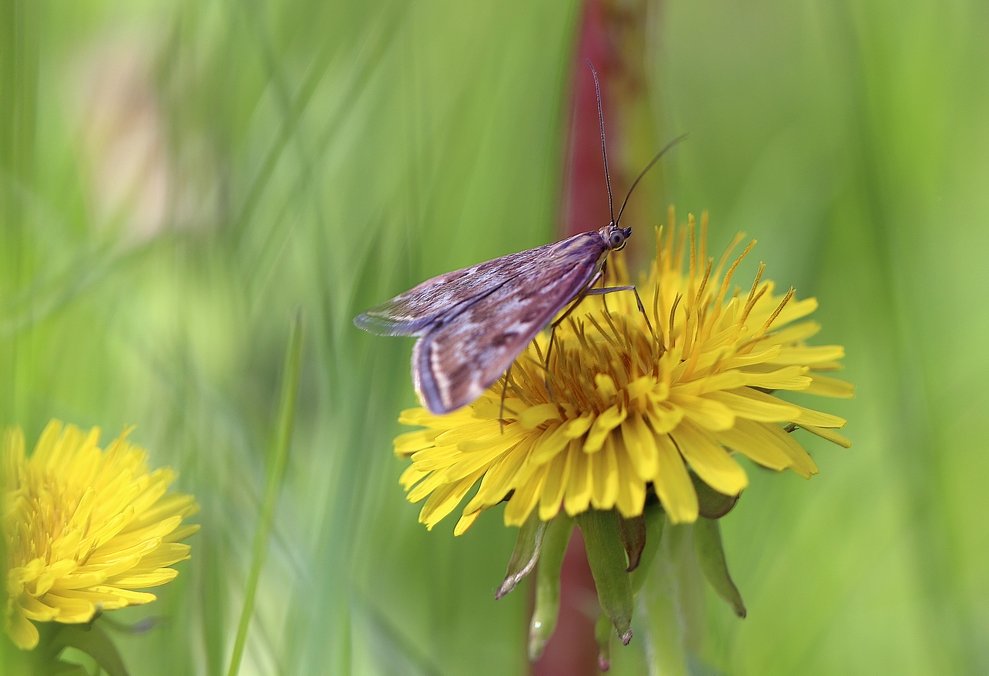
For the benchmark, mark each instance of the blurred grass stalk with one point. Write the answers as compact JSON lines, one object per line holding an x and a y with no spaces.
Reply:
{"x":278,"y":458}
{"x":18,"y":116}
{"x":18,"y":81}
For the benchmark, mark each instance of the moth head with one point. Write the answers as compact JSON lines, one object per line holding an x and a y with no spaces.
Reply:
{"x":615,"y":237}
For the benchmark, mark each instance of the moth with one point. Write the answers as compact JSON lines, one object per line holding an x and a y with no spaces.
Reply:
{"x":472,"y":323}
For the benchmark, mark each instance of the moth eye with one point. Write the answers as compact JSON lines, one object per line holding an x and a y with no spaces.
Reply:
{"x":616,"y":239}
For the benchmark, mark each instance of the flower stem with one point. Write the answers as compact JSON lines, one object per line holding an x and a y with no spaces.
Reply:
{"x":672,"y":604}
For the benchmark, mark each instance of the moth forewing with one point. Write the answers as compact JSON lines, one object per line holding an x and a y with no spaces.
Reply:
{"x":419,"y":310}
{"x":466,"y":353}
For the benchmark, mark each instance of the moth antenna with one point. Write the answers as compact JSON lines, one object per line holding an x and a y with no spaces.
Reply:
{"x":604,"y":148}
{"x":642,"y":173}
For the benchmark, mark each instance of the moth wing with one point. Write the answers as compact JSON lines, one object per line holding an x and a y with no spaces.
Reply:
{"x":453,"y":364}
{"x":416,"y":311}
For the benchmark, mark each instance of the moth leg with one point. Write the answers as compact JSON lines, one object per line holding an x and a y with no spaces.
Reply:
{"x":604,"y":285}
{"x":552,"y":328}
{"x":504,"y":391}
{"x":549,"y":351}
{"x":638,"y":300}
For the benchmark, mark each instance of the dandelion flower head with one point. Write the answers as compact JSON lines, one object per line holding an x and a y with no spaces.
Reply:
{"x":86,"y":529}
{"x":628,"y":407}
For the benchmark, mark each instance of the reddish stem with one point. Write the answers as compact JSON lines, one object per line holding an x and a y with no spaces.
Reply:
{"x":573,"y":650}
{"x":585,"y":204}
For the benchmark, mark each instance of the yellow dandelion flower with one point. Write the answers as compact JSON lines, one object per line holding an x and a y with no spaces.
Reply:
{"x":86,"y":528}
{"x":626,"y":405}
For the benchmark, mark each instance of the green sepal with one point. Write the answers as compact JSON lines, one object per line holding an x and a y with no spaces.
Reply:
{"x":633,"y":532}
{"x":525,"y":554}
{"x":91,"y":640}
{"x":555,"y":540}
{"x":655,"y":520}
{"x":602,"y":634}
{"x":711,"y":556}
{"x":606,"y":556}
{"x":710,"y":503}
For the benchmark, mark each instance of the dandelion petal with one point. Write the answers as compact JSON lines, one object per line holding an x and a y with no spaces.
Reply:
{"x":709,"y":460}
{"x":672,"y":482}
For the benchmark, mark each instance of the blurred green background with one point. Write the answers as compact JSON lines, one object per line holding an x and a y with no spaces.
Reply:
{"x":178,"y":178}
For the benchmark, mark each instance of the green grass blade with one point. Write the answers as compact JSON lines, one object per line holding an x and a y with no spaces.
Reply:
{"x":278,"y":459}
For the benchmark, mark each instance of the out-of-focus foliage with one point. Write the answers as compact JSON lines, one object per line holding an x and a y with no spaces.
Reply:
{"x":178,"y":179}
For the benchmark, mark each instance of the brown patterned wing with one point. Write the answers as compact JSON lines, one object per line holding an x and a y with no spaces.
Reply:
{"x":418,"y":310}
{"x":457,"y":360}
